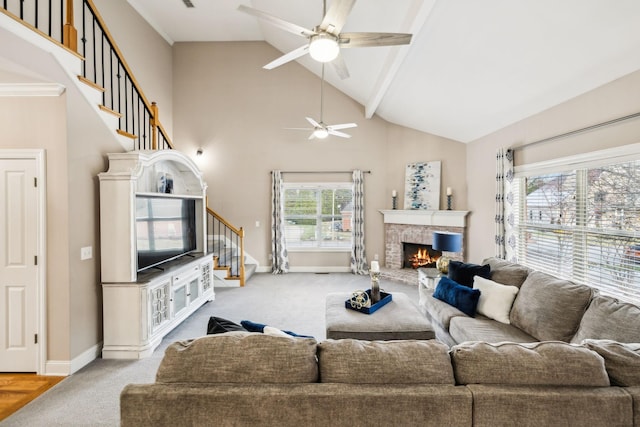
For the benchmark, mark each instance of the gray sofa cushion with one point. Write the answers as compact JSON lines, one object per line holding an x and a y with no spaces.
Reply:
{"x":507,"y":273}
{"x":440,"y":312}
{"x":481,"y":328}
{"x":621,"y":360}
{"x":549,"y":308}
{"x":541,"y":406}
{"x":542,"y":363}
{"x":384,"y":362}
{"x":608,"y":318}
{"x":240,"y":357}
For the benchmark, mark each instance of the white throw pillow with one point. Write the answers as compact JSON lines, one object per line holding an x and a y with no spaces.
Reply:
{"x":270,"y":330}
{"x":495,"y":299}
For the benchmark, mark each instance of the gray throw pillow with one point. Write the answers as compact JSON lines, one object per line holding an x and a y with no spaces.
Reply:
{"x":549,"y":308}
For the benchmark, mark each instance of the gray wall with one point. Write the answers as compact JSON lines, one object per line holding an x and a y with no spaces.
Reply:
{"x":616,"y":99}
{"x":237,"y":112}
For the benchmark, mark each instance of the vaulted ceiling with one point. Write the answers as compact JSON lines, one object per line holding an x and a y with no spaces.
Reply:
{"x":473,"y":66}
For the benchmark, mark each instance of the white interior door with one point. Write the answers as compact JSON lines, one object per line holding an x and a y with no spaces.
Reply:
{"x":18,"y":266}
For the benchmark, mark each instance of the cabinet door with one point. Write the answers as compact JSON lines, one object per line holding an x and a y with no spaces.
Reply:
{"x":179,"y":298}
{"x":194,"y":289}
{"x":159,"y":299}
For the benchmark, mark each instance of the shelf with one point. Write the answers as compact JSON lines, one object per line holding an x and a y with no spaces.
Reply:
{"x":169,"y":195}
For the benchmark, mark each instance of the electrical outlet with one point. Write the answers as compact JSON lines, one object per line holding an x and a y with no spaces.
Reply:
{"x":86,"y":253}
{"x":257,"y":223}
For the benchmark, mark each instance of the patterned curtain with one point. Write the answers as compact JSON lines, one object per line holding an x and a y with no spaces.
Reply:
{"x":358,"y":256}
{"x":505,"y":221}
{"x":280,"y":261}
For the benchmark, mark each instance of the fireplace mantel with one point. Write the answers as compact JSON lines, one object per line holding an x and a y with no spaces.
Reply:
{"x":425,"y":217}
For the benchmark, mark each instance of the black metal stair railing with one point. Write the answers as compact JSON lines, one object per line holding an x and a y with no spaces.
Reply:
{"x":105,"y":68}
{"x":226,"y":242}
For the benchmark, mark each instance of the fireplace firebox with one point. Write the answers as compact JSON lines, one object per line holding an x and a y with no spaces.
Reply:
{"x":416,"y":255}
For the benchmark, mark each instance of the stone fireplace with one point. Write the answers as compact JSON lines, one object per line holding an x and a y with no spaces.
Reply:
{"x":416,"y":227}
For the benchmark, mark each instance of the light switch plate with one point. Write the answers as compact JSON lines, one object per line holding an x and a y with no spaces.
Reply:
{"x":86,"y":253}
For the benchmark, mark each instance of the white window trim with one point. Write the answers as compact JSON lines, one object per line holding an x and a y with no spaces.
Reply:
{"x":593,"y":159}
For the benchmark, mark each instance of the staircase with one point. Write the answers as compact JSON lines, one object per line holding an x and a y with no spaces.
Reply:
{"x":99,"y":71}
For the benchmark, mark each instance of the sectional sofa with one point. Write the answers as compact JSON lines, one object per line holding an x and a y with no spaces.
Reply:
{"x":542,"y":308}
{"x":249,"y":379}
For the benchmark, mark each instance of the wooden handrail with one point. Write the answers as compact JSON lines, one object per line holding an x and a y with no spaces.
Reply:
{"x":238,"y":231}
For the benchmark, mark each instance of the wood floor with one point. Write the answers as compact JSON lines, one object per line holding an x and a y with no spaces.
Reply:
{"x":16,"y":390}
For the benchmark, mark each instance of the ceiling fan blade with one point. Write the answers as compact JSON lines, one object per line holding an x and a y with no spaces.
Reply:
{"x":348,"y":40}
{"x":342,"y":126}
{"x":313,"y":122}
{"x":340,"y":67}
{"x":340,"y":134}
{"x":274,"y":20}
{"x":312,"y":136}
{"x":336,"y":16}
{"x":294,"y":54}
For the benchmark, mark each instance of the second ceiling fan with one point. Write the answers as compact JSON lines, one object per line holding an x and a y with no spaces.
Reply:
{"x":320,"y":130}
{"x":325,"y":39}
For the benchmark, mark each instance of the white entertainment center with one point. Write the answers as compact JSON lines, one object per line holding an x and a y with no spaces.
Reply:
{"x":140,"y":306}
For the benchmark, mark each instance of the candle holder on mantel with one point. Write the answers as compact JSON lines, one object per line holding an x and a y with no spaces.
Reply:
{"x":449,"y":202}
{"x":394,"y":202}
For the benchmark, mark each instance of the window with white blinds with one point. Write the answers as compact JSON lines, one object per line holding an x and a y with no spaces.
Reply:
{"x":584,"y":225}
{"x":318,"y":216}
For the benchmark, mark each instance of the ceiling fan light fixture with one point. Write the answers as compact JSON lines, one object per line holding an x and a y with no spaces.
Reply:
{"x":320,"y":133}
{"x":324,"y":47}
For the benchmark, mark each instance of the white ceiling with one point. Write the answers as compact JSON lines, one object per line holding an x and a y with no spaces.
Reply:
{"x":472,"y":68}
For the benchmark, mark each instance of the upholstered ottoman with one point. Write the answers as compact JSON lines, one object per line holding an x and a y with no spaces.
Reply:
{"x":400,"y":319}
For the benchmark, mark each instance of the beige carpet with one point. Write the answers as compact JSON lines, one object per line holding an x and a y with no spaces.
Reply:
{"x":293,"y":302}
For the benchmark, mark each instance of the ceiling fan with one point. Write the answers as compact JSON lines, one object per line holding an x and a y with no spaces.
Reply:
{"x":320,"y":130}
{"x":325,"y":40}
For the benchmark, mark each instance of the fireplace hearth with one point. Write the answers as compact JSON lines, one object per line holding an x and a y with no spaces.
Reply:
{"x":417,"y":255}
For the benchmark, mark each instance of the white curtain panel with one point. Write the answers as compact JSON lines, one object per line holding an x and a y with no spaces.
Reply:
{"x":505,"y":236}
{"x":280,"y":260}
{"x":358,"y":256}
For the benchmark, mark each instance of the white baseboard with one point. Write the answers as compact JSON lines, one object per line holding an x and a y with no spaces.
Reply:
{"x":65,"y":368}
{"x":331,"y":269}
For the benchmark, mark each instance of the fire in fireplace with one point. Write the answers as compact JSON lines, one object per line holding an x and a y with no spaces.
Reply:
{"x":419,"y":255}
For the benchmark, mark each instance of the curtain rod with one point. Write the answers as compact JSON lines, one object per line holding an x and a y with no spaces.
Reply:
{"x":577,"y":131}
{"x":271,"y":172}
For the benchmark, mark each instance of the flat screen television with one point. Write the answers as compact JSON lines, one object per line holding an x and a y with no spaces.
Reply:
{"x":165,"y":229}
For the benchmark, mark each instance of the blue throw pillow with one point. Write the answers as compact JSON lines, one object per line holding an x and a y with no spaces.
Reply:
{"x":461,"y":297}
{"x":259,"y":327}
{"x":463,"y":273}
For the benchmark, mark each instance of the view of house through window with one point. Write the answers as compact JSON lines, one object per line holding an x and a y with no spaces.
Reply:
{"x":318,"y":216}
{"x":584,"y":225}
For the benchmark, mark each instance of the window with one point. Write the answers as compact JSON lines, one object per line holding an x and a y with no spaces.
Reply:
{"x":318,"y":216}
{"x":583,"y":225}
